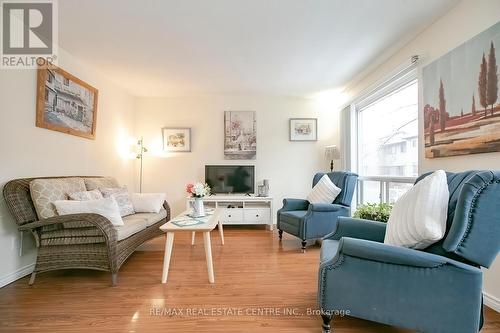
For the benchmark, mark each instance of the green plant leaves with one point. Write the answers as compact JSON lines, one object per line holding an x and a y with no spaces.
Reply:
{"x":375,"y":212}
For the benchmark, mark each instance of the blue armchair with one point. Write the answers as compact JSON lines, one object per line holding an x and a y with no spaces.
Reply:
{"x":437,"y":289}
{"x":308,"y":221}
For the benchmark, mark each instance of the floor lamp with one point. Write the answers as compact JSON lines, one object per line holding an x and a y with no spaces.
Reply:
{"x":140,"y":150}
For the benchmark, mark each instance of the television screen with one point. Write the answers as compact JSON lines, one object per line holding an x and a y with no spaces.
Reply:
{"x":237,"y":179}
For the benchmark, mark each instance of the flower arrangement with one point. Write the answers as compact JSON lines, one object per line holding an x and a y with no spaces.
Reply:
{"x":198,"y":190}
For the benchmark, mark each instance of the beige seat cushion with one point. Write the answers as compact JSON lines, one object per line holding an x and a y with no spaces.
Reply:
{"x":98,"y":183}
{"x":151,"y":218}
{"x":45,"y":191}
{"x":132,"y":225}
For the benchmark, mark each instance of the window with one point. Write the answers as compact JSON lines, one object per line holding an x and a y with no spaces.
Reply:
{"x":386,"y":147}
{"x":386,"y":128}
{"x":66,"y":82}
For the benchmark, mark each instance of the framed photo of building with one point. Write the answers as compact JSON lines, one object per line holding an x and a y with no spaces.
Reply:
{"x":303,"y":129}
{"x":240,"y":135}
{"x":65,"y":103}
{"x":176,"y":139}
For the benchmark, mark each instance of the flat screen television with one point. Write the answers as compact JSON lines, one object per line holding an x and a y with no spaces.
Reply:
{"x":230,"y":179}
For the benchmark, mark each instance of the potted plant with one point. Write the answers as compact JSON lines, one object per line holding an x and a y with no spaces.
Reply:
{"x":198,"y":191}
{"x":375,"y":212}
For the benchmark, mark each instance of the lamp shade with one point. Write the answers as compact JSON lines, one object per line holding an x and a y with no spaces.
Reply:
{"x":332,"y":153}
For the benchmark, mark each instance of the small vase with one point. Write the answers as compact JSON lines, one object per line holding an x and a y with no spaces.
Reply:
{"x":198,"y":207}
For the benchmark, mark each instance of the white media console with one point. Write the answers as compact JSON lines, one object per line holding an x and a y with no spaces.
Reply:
{"x":241,"y":209}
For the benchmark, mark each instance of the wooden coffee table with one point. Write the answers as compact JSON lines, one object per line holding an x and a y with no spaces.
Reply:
{"x":209,"y":223}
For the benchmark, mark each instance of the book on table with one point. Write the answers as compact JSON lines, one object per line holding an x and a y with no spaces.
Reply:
{"x":189,"y":221}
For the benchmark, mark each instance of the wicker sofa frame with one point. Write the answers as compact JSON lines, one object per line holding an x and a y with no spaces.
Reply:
{"x":77,"y":250}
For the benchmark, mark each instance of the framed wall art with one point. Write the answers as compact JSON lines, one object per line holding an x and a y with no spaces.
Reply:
{"x":65,"y":103}
{"x":176,"y":139}
{"x":240,"y":135}
{"x":461,"y":102}
{"x":303,"y":129}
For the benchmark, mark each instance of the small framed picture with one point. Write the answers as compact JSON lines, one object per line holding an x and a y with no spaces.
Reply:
{"x":303,"y":129}
{"x":176,"y":139}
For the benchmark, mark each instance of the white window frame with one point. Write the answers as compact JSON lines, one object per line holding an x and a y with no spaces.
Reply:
{"x":404,"y":75}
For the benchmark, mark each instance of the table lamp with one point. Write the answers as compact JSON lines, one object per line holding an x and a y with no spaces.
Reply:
{"x":332,"y":153}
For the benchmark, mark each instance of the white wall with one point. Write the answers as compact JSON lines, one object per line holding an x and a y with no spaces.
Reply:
{"x":28,"y":151}
{"x":463,"y":22}
{"x":289,"y":166}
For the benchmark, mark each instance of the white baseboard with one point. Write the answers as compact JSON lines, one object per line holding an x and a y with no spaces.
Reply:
{"x":491,"y":301}
{"x":16,"y":275}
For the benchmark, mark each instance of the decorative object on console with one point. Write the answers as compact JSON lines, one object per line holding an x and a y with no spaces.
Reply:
{"x":240,"y":135}
{"x":332,"y":153}
{"x":263,"y":190}
{"x":139,"y":150}
{"x":461,"y":99}
{"x":198,"y":191}
{"x":303,"y":129}
{"x":176,"y":139}
{"x":65,"y":103}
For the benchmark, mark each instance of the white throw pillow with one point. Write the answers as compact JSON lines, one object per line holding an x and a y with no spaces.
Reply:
{"x":418,"y":218}
{"x":106,"y":207}
{"x":324,"y":191}
{"x":147,"y":202}
{"x":86,"y":195}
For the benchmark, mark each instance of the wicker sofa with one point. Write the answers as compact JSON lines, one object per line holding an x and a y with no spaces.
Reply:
{"x":82,"y":241}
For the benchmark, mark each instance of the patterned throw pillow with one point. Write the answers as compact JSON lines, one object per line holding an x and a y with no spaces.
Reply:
{"x":122,"y":197}
{"x":102,"y":182}
{"x":45,"y":191}
{"x":86,"y":195}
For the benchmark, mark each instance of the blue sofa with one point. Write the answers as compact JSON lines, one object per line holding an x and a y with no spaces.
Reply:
{"x":309,"y":221}
{"x":438,"y":289}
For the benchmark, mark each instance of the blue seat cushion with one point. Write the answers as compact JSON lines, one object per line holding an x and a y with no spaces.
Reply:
{"x":292,"y":222}
{"x":294,"y":217}
{"x":329,"y":249}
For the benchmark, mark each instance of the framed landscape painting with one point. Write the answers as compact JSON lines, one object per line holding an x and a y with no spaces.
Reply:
{"x":65,"y":103}
{"x":176,"y":139}
{"x":461,"y":102}
{"x":240,"y":135}
{"x":303,"y":129}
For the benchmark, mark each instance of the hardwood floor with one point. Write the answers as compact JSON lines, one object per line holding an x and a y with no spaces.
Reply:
{"x":253,"y":272}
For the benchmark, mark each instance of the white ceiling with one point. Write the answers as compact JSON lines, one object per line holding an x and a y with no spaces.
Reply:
{"x":193,"y":47}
